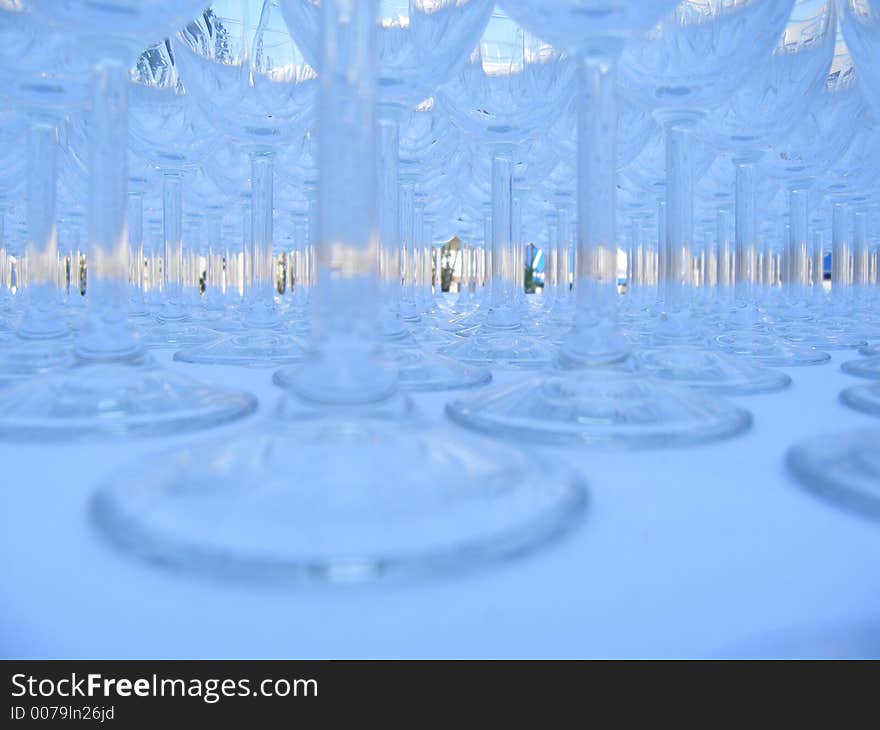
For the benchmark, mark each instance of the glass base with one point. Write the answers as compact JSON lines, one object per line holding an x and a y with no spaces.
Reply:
{"x":670,"y":329}
{"x":513,"y":349}
{"x":216,"y":317}
{"x":172,"y":335}
{"x":865,"y":367}
{"x":22,"y":358}
{"x":710,"y":371}
{"x":864,"y":398}
{"x":769,"y":350}
{"x":432,"y":337}
{"x":843,"y":469}
{"x":869,"y":350}
{"x":417,"y":371}
{"x":369,"y":498}
{"x":603,"y":409}
{"x":823,"y":337}
{"x":596,"y":346}
{"x":114,"y":400}
{"x":259,"y":348}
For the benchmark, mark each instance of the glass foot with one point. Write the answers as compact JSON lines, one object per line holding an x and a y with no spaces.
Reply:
{"x":864,"y":398}
{"x":769,"y":350}
{"x":424,"y":371}
{"x":823,"y":337}
{"x":670,"y":329}
{"x":259,"y":348}
{"x":869,"y":350}
{"x":865,"y":367}
{"x":113,"y":400}
{"x":596,"y":346}
{"x":432,"y":337}
{"x":605,"y":409}
{"x":417,"y":370}
{"x":22,"y":358}
{"x":513,"y":349}
{"x":171,"y":335}
{"x":370,"y":498}
{"x":710,"y":371}
{"x":842,"y":468}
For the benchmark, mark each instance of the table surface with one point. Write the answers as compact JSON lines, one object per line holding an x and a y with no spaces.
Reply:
{"x":696,"y":552}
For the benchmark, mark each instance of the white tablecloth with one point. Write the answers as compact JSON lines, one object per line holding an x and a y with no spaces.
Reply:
{"x":708,"y":551}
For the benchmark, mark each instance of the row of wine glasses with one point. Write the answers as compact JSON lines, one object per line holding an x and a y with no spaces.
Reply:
{"x":591,"y":222}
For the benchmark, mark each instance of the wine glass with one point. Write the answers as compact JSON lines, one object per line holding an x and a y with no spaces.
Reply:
{"x":251,"y":80}
{"x":113,"y":390}
{"x":501,"y":99}
{"x":680,"y":69}
{"x":338,"y":517}
{"x":860,"y":23}
{"x":592,"y":405}
{"x":170,"y":135}
{"x":805,"y":155}
{"x":763,"y":110}
{"x":422,"y":43}
{"x":42,"y":76}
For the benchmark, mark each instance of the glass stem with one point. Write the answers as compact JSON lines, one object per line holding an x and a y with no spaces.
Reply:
{"x":172,"y":232}
{"x":5,"y":293}
{"x":595,"y":339}
{"x":679,"y":212}
{"x":563,"y":237}
{"x":299,"y":273}
{"x":418,"y":256}
{"x":260,"y":311}
{"x":484,"y":260}
{"x":861,"y":273}
{"x":214,"y":272}
{"x":501,"y":311}
{"x":840,"y":251}
{"x":464,"y":283}
{"x":41,"y":318}
{"x":596,"y":187}
{"x":427,"y":261}
{"x":745,"y":232}
{"x":518,"y":283}
{"x":662,"y":267}
{"x":407,"y":246}
{"x":345,"y":368}
{"x":136,"y":241}
{"x":799,"y":257}
{"x":390,"y":208}
{"x":818,"y":264}
{"x":108,"y":334}
{"x":724,"y":253}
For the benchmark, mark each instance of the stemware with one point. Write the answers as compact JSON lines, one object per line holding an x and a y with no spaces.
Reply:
{"x":236,"y":509}
{"x":501,"y":99}
{"x":170,"y":135}
{"x":840,"y":468}
{"x":113,"y":390}
{"x":42,"y":77}
{"x":695,"y":57}
{"x":422,"y":43}
{"x":763,"y":110}
{"x":591,"y":405}
{"x":860,"y":23}
{"x":251,"y":80}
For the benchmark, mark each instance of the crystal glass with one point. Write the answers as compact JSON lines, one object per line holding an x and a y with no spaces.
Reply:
{"x":342,"y":414}
{"x":592,"y":405}
{"x":113,"y":390}
{"x":251,"y":80}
